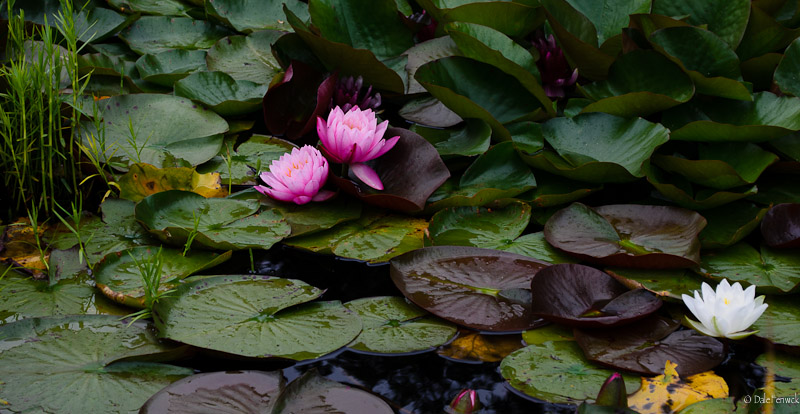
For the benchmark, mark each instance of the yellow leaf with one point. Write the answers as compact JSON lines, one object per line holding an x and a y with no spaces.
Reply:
{"x":669,"y":393}
{"x":472,"y":346}
{"x":143,"y":180}
{"x":21,"y":248}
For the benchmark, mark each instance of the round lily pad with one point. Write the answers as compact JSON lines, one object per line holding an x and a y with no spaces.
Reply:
{"x":557,"y":372}
{"x":312,"y":393}
{"x":246,"y":57}
{"x":628,"y":235}
{"x":781,"y":226}
{"x":392,"y":325}
{"x":583,"y":296}
{"x":69,"y":364}
{"x":646,"y":346}
{"x":219,"y":392}
{"x":167,"y":67}
{"x":218,"y":223}
{"x":256,"y":316}
{"x":155,"y":129}
{"x":479,"y":227}
{"x":771,"y":270}
{"x":786,"y":366}
{"x":729,"y":224}
{"x":119,"y":277}
{"x":478,"y":288}
{"x":780,"y":323}
{"x":154,"y":34}
{"x":222,"y":93}
{"x":668,"y":284}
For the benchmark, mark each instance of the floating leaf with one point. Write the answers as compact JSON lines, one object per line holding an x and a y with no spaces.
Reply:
{"x":222,"y":93}
{"x":786,"y":366}
{"x":374,"y":237}
{"x":665,"y":283}
{"x":780,"y":323}
{"x":167,"y":67}
{"x":786,"y":73}
{"x":92,"y":24}
{"x":246,"y":57}
{"x":429,"y":111}
{"x":727,"y":19}
{"x":81,"y":372}
{"x":729,"y":224}
{"x":720,"y":166}
{"x":781,"y":226}
{"x":470,"y":139}
{"x":142,"y":180}
{"x":20,"y":247}
{"x":418,"y":55}
{"x":771,"y":270}
{"x":215,"y":392}
{"x":476,"y":347}
{"x":628,"y":235}
{"x":312,"y":393}
{"x":156,"y":129}
{"x":119,"y":276}
{"x":227,"y":224}
{"x":478,"y":288}
{"x":552,"y":332}
{"x":645,"y":346}
{"x":23,"y":297}
{"x":556,"y":372}
{"x":553,"y":190}
{"x":246,"y":16}
{"x":154,"y":34}
{"x":256,"y":316}
{"x":234,"y":166}
{"x":310,"y":217}
{"x":712,"y":406}
{"x":479,"y":227}
{"x":411,"y":171}
{"x":514,"y":19}
{"x":392,"y":325}
{"x":670,"y":393}
{"x":583,"y":296}
{"x":158,"y":7}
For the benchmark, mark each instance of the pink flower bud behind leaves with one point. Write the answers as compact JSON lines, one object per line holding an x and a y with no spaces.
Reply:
{"x":466,"y":402}
{"x":297,"y":176}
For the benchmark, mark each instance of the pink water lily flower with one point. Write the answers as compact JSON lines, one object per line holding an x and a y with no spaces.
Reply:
{"x":297,"y":176}
{"x":354,"y":137}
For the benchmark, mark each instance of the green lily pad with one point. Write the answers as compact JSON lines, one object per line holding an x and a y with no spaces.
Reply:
{"x":729,"y":224}
{"x":639,"y":83}
{"x":776,"y":190}
{"x":771,"y":270}
{"x":470,"y":88}
{"x":312,"y":393}
{"x":598,"y":147}
{"x":215,"y":392}
{"x":786,"y":74}
{"x":81,"y":372}
{"x":553,"y":332}
{"x":120,"y":279}
{"x":727,"y":19}
{"x":154,"y":34}
{"x":568,"y":378}
{"x":257,"y":152}
{"x":514,"y":19}
{"x":478,"y":227}
{"x":709,"y":61}
{"x":668,"y":284}
{"x":788,"y":146}
{"x":157,"y":7}
{"x":492,"y":47}
{"x":92,"y":24}
{"x":418,"y":55}
{"x":374,"y":238}
{"x":499,"y":173}
{"x":478,"y":288}
{"x":780,"y":323}
{"x":246,"y":57}
{"x":536,"y":246}
{"x":103,"y":65}
{"x":392,"y":325}
{"x":554,"y":190}
{"x":767,"y":117}
{"x":256,"y":316}
{"x":627,"y":235}
{"x":786,"y":366}
{"x":682,"y":192}
{"x":720,"y":165}
{"x":246,"y":16}
{"x":167,"y":67}
{"x":609,"y":16}
{"x":225,"y":224}
{"x":712,"y":406}
{"x":764,"y":34}
{"x":156,"y":129}
{"x":470,"y":139}
{"x":221,"y":93}
{"x":427,"y":110}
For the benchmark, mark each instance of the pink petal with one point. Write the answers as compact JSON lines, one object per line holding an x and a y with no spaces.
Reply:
{"x":389,"y":144}
{"x":367,"y":175}
{"x":300,"y":200}
{"x":322,"y":131}
{"x":323,"y":195}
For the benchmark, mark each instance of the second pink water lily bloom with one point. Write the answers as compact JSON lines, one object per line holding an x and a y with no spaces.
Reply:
{"x":354,"y":137}
{"x":297,"y":176}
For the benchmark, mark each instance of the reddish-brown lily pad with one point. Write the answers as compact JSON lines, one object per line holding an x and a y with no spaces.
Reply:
{"x":645,"y":346}
{"x":583,"y":296}
{"x":410,"y":172}
{"x":781,"y":226}
{"x":627,"y":235}
{"x":478,"y":288}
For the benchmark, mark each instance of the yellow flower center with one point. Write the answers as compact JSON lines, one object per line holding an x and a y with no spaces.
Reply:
{"x":353,"y":124}
{"x":726,"y":301}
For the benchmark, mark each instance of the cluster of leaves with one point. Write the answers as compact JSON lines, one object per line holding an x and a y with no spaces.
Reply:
{"x":686,"y":113}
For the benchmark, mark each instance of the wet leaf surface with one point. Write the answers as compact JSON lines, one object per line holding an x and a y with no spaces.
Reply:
{"x":583,"y":296}
{"x":787,"y":366}
{"x":472,"y":346}
{"x":670,"y":393}
{"x":729,"y":224}
{"x":780,"y":323}
{"x":668,"y":284}
{"x":466,"y":285}
{"x":771,"y":270}
{"x":142,"y":180}
{"x":312,"y":393}
{"x":235,"y":165}
{"x":154,"y":34}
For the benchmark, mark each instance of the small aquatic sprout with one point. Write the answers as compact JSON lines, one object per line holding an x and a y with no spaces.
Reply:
{"x":466,"y":402}
{"x":553,"y":67}
{"x":726,"y":312}
{"x":349,"y":94}
{"x":297,"y":176}
{"x":354,"y":137}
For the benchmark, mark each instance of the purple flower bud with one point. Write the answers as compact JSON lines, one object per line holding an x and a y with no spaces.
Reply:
{"x":553,"y":67}
{"x":349,"y":95}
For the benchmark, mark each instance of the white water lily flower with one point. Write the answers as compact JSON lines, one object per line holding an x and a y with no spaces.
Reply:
{"x":726,"y":312}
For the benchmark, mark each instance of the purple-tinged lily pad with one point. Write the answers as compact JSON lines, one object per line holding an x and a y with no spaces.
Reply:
{"x":652,"y":237}
{"x":781,"y":226}
{"x":478,"y":288}
{"x":410,"y":172}
{"x":645,"y":346}
{"x":583,"y":296}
